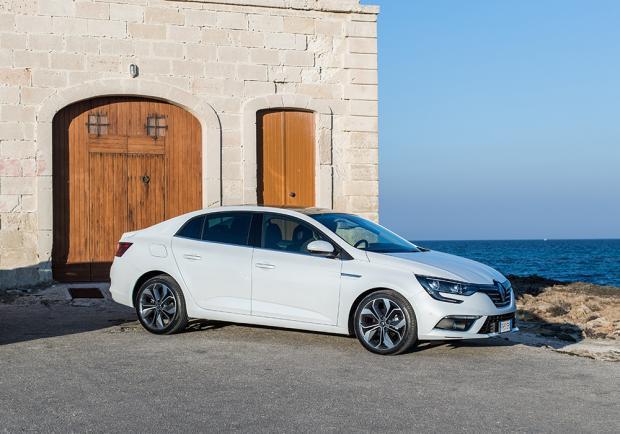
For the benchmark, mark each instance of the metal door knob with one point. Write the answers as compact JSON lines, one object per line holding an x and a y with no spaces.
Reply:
{"x":146,"y":179}
{"x":292,"y":194}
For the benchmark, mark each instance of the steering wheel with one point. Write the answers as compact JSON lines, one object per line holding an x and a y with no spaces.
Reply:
{"x":356,"y":245}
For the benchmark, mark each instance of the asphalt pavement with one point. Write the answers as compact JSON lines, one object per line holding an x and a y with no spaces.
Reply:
{"x":92,"y":368}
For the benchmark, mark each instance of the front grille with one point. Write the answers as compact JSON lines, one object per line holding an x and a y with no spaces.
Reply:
{"x":496,"y":296}
{"x":491,"y":325}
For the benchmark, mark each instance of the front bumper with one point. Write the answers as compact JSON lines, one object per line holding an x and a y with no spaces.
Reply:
{"x":477,"y":305}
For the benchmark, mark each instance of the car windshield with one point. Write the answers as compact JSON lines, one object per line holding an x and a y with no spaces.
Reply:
{"x":364,"y":234}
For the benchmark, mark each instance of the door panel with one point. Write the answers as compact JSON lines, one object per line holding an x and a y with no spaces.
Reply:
{"x":108,"y":209}
{"x":287,"y":281}
{"x":295,"y":287}
{"x":286,"y":158}
{"x":145,"y":190}
{"x":218,"y":275}
{"x":70,"y":252}
{"x":299,"y":163}
{"x":271,"y":160}
{"x":101,"y":152}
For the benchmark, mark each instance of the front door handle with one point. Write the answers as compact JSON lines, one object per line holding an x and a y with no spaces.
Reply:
{"x":265,"y":266}
{"x":192,"y":256}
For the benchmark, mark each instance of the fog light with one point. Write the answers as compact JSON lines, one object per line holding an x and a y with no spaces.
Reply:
{"x":457,"y":323}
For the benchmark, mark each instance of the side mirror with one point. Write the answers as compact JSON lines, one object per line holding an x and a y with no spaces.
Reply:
{"x":322,"y":248}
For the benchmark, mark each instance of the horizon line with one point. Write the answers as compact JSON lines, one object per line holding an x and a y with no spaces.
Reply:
{"x":519,"y":239}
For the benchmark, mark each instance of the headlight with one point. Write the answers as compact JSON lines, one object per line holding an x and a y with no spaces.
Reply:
{"x":437,"y":287}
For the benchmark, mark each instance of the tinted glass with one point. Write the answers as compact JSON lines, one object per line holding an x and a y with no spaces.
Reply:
{"x":364,"y":234}
{"x":192,"y":229}
{"x":229,"y":228}
{"x":286,"y":234}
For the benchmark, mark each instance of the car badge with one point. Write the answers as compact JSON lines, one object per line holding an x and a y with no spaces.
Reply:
{"x":502,"y":290}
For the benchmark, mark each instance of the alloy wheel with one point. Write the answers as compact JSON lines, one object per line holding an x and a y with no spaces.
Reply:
{"x":158,"y":306}
{"x":382,"y":323}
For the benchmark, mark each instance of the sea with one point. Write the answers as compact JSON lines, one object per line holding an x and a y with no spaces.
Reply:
{"x":593,"y":261}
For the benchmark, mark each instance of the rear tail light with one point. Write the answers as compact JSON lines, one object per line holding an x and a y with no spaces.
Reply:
{"x":122,"y":248}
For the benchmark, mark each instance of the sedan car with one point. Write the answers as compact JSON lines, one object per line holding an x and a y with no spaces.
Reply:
{"x":307,"y":269}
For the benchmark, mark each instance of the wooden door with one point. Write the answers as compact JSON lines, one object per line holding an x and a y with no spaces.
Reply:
{"x":286,"y":158}
{"x":146,"y":176}
{"x":120,"y":164}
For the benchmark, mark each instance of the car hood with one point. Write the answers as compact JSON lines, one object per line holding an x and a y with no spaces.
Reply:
{"x":444,"y":265}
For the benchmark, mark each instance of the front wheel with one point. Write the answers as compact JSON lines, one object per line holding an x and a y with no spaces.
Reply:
{"x":385,"y":323}
{"x":160,"y":306}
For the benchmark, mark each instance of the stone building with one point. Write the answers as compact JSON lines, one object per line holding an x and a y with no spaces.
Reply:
{"x":115,"y":114}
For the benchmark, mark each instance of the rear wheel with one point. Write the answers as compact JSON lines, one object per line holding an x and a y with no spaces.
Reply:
{"x":160,"y":306}
{"x":385,"y":323}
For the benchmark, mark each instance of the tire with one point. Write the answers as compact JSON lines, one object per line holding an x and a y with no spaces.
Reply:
{"x":385,"y":323}
{"x":160,"y":306}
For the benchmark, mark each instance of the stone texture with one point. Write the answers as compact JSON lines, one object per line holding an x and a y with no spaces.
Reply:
{"x":87,"y":9}
{"x":319,"y":55}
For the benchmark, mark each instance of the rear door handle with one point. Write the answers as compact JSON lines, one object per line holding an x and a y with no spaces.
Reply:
{"x":192,"y":256}
{"x":265,"y":266}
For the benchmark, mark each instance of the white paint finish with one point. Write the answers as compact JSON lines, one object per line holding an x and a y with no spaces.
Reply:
{"x":158,"y":250}
{"x":217,"y":275}
{"x":295,"y":287}
{"x":266,"y":287}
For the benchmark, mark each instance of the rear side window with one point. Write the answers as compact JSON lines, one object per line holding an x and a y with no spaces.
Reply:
{"x":192,"y":229}
{"x":228,"y":228}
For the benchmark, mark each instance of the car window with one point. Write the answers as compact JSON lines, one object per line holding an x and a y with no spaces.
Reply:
{"x":364,"y":234}
{"x":228,"y":228}
{"x":287,"y":234}
{"x":192,"y":229}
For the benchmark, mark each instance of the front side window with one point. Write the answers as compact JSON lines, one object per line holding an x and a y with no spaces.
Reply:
{"x":364,"y":234}
{"x":287,"y":234}
{"x":227,"y":228}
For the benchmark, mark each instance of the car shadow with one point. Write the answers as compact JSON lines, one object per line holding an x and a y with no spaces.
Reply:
{"x":199,"y":325}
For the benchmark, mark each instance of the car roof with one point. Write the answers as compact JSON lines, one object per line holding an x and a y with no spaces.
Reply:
{"x":264,"y":208}
{"x":174,"y":223}
{"x":313,"y":211}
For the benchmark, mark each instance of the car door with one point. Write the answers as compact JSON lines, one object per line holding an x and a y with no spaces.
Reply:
{"x":214,"y":258}
{"x":287,"y":281}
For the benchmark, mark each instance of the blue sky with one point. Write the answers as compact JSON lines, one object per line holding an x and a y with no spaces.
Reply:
{"x":500,"y":119}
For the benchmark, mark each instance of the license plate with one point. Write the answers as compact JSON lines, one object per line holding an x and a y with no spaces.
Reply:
{"x":505,"y":326}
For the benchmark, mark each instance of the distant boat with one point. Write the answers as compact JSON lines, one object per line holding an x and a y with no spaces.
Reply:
{"x":545,"y":239}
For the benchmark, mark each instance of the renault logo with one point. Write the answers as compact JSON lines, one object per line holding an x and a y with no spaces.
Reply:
{"x":502,"y":290}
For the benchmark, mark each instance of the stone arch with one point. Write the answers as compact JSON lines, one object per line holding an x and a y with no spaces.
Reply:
{"x":200,"y":108}
{"x":324,"y":137}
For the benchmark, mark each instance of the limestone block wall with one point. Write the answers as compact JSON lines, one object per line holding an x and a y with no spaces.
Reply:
{"x":222,"y":60}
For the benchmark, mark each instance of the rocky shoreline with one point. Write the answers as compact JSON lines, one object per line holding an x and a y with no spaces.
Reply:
{"x":569,"y":311}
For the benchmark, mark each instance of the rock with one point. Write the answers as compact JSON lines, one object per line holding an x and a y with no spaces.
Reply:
{"x":586,"y":309}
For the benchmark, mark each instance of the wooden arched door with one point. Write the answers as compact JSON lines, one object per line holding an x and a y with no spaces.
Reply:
{"x":120,"y":164}
{"x":286,"y":158}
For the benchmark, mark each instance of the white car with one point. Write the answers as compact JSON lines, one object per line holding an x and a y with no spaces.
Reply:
{"x":306,"y":269}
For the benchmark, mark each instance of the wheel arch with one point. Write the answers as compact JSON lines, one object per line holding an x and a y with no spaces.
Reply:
{"x":146,"y":276}
{"x":361,"y":297}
